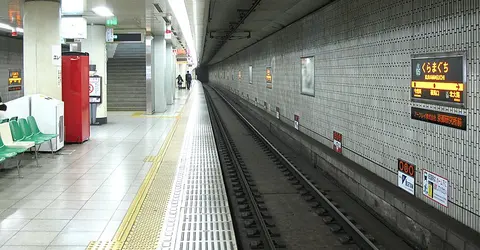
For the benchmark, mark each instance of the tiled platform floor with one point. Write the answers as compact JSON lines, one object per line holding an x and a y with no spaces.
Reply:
{"x":74,"y":199}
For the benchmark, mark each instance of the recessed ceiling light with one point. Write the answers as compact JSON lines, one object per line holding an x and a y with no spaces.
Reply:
{"x":103,"y":11}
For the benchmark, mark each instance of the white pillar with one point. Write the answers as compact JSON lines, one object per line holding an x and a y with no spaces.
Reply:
{"x":159,"y":46}
{"x":174,"y":81}
{"x":168,"y":74}
{"x":95,"y":45}
{"x":149,"y":76}
{"x":42,"y":49}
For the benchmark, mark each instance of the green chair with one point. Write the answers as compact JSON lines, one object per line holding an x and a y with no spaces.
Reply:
{"x":31,"y":135}
{"x":36,"y":131}
{"x":7,"y":149}
{"x":19,"y":135}
{"x":9,"y":152}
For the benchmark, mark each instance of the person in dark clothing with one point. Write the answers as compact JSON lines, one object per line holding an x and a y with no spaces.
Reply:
{"x":188,"y":78}
{"x":179,"y":81}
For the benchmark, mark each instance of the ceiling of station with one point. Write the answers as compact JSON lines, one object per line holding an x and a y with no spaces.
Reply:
{"x":211,"y":21}
{"x":267,"y":17}
{"x":140,"y":15}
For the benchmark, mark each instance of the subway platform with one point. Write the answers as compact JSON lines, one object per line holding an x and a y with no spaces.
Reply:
{"x":140,"y":182}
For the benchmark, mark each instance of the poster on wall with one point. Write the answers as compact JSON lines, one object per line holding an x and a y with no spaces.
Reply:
{"x":406,"y":176}
{"x":95,"y":89}
{"x":308,"y":76}
{"x":296,"y":121}
{"x":435,"y":187}
{"x":14,"y":80}
{"x":337,"y":142}
{"x":250,"y":74}
{"x":268,"y":77}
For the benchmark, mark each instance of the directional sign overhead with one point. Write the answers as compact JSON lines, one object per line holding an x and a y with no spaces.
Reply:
{"x":439,"y":79}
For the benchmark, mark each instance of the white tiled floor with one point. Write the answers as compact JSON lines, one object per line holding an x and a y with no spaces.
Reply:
{"x":74,"y":199}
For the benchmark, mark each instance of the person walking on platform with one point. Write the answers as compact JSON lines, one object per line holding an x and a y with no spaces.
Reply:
{"x":179,"y":81}
{"x":188,"y":78}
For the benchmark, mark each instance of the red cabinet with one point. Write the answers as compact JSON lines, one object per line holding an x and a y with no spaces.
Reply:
{"x":75,"y":81}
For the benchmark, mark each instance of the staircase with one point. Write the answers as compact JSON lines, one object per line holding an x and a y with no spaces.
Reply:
{"x":126,"y":88}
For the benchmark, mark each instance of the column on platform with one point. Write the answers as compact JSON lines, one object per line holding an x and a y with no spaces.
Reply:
{"x":95,"y":45}
{"x":149,"y":76}
{"x":169,"y":88}
{"x":158,"y":72}
{"x":173,"y":62}
{"x":42,"y":48}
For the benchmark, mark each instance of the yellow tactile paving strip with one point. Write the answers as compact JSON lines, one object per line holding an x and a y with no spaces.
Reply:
{"x":142,"y":224}
{"x":141,"y":114}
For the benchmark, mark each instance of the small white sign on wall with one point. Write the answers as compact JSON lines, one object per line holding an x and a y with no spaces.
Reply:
{"x":59,"y":76}
{"x":296,"y":121}
{"x":435,"y":187}
{"x":57,"y":55}
{"x":109,"y":36}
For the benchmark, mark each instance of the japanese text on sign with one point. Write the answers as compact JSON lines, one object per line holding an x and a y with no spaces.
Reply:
{"x":435,"y":187}
{"x":406,"y":176}
{"x":14,"y":80}
{"x":439,"y":79}
{"x":439,"y":118}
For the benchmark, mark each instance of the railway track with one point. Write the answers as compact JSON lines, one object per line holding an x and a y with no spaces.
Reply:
{"x":274,"y":203}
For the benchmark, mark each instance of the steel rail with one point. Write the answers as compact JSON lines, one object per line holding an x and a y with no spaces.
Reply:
{"x":236,"y":163}
{"x":348,"y":226}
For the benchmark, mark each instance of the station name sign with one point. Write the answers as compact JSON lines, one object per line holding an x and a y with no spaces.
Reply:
{"x":439,"y":79}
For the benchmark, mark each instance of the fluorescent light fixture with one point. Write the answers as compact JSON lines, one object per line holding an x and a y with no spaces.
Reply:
{"x":6,"y":27}
{"x":103,"y":11}
{"x":10,"y":28}
{"x":180,"y":12}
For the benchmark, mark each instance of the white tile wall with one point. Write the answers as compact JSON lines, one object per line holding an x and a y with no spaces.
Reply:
{"x":362,"y":55}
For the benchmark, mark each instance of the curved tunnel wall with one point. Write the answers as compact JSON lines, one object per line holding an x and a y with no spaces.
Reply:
{"x":362,"y":53}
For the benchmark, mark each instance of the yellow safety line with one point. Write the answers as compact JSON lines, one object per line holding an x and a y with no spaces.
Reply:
{"x":132,"y":213}
{"x":142,"y":114}
{"x":128,"y":221}
{"x":138,"y":113}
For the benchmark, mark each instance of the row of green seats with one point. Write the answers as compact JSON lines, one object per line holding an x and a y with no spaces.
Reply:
{"x":25,"y":130}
